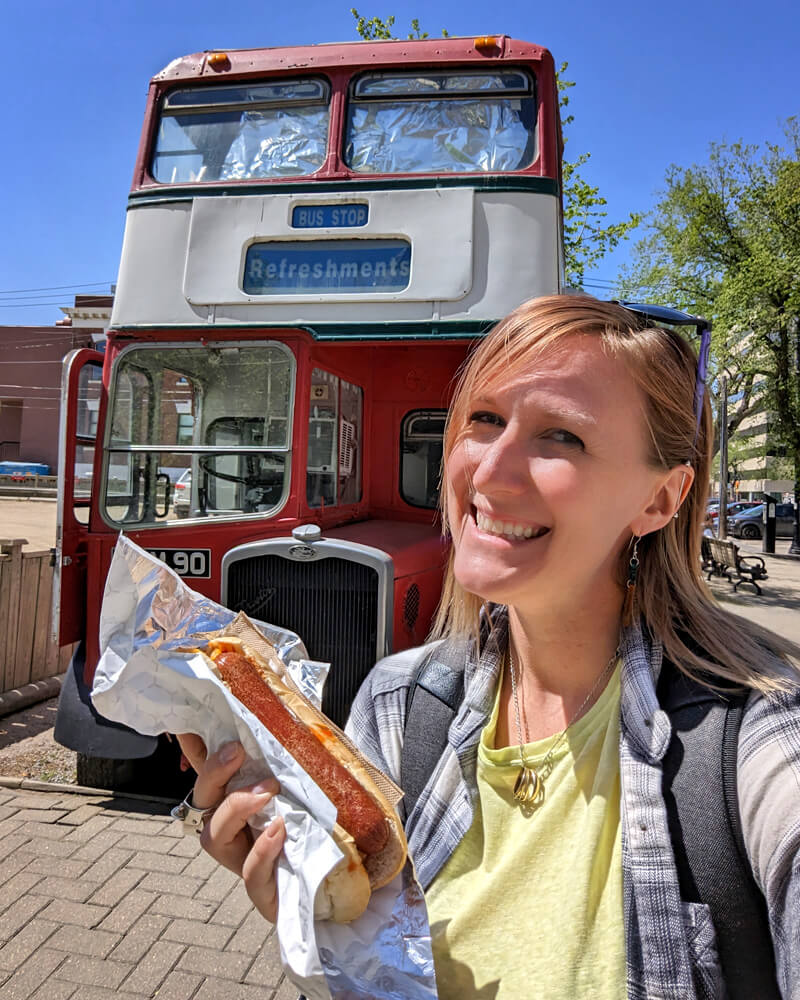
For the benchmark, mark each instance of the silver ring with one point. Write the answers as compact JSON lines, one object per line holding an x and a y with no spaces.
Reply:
{"x":193,"y":819}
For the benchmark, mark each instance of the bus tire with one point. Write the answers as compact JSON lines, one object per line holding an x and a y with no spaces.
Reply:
{"x":104,"y":772}
{"x":159,"y":774}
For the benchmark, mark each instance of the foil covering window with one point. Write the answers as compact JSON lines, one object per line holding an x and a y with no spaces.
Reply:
{"x":441,"y":123}
{"x":242,"y":132}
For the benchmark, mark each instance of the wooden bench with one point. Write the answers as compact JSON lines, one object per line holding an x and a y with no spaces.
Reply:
{"x":725,"y":559}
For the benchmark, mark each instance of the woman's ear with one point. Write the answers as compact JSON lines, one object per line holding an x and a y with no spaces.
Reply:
{"x":669,"y":493}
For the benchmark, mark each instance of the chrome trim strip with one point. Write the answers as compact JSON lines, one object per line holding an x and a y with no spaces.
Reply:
{"x":191,"y":449}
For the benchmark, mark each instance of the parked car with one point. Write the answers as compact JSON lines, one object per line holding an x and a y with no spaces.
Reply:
{"x":182,"y":501}
{"x":735,"y":507}
{"x":750,"y":523}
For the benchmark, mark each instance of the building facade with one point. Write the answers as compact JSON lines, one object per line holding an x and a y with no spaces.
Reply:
{"x":30,"y":378}
{"x":757,"y":461}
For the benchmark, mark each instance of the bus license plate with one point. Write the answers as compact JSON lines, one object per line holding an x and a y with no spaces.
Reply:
{"x":195,"y":563}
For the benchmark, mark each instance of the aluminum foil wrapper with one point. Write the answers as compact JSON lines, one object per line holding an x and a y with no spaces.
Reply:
{"x":146,"y":679}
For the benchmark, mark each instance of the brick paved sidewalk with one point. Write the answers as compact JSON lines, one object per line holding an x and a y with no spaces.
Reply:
{"x":102,"y":896}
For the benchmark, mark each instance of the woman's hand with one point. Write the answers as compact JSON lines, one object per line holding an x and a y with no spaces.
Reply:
{"x":226,"y":835}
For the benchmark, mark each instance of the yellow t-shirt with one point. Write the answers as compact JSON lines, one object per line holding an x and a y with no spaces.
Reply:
{"x":529,"y":906}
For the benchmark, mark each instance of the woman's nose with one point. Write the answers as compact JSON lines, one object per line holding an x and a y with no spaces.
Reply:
{"x":502,"y":465}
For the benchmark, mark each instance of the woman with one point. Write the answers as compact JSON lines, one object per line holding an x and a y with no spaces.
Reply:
{"x":576,"y":464}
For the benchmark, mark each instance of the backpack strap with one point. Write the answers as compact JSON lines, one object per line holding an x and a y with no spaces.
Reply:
{"x":700,"y":792}
{"x":432,"y":701}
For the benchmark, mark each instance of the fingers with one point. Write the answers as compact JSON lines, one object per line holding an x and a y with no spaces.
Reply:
{"x":226,"y":836}
{"x":258,"y":870}
{"x":193,"y":748}
{"x":214,"y":773}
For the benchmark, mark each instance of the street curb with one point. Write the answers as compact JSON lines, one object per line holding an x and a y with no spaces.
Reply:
{"x":29,"y":785}
{"x":9,"y":493}
{"x":29,"y":694}
{"x":760,"y":552}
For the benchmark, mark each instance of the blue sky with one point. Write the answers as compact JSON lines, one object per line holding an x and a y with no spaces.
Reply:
{"x":655,"y":83}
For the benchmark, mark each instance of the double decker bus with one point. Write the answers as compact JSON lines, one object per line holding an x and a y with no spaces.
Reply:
{"x":315,"y":237}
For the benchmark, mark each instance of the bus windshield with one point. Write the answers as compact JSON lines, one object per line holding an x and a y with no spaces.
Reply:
{"x":239,"y":132}
{"x":198,"y":432}
{"x":443,"y":122}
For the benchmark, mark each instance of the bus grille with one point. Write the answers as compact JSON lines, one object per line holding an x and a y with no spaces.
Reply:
{"x":332,"y":604}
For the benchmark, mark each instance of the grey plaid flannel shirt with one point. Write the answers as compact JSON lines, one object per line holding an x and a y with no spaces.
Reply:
{"x":671,"y":952}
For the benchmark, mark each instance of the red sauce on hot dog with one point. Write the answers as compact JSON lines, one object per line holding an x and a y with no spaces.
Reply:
{"x":356,"y":810}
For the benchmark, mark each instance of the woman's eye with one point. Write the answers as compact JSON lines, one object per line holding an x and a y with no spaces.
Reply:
{"x":564,"y":437}
{"x":485,"y":417}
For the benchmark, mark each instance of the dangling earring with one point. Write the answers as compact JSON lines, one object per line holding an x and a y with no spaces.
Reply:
{"x":630,"y":586}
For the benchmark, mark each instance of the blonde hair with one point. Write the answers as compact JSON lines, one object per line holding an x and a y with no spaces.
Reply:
{"x":671,"y":597}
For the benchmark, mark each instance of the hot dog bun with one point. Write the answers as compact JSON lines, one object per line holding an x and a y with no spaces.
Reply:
{"x":368,"y":830}
{"x":345,"y":890}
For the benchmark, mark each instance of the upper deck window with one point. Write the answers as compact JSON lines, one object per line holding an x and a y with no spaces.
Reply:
{"x":242,"y":132}
{"x":441,"y":122}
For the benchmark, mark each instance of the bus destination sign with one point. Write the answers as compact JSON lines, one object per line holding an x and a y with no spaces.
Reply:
{"x":329,"y":216}
{"x":327,"y":266}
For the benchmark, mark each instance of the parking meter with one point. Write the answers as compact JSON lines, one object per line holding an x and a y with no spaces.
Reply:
{"x":768,"y":520}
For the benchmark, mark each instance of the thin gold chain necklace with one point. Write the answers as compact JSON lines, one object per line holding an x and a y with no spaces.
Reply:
{"x":529,"y":786}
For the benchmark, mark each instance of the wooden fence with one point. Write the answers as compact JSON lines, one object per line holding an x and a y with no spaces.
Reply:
{"x":27,"y":651}
{"x":28,"y":486}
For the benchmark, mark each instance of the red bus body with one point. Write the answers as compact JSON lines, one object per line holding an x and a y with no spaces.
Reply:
{"x":363,"y":374}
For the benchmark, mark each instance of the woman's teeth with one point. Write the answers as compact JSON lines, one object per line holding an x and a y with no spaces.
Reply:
{"x":509,"y":529}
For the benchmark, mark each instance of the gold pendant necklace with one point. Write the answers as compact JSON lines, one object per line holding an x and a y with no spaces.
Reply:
{"x":529,"y":786}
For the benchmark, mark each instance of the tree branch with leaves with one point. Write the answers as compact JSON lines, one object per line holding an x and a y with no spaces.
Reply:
{"x":724,"y":241}
{"x":373,"y":29}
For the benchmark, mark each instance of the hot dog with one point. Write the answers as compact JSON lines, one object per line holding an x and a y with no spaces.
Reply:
{"x":367,"y":830}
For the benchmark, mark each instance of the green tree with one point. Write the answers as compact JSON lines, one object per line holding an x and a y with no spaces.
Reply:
{"x":724,"y":240}
{"x":587,"y":236}
{"x":376,"y":29}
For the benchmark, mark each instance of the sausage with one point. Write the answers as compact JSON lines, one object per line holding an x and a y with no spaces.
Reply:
{"x":357,"y":812}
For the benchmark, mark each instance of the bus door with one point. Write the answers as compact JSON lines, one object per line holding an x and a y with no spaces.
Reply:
{"x":81,"y":392}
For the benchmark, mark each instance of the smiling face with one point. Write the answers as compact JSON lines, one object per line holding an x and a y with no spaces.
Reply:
{"x":548,"y":480}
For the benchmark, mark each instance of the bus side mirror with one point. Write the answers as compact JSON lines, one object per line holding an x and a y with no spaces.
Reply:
{"x":162,"y":477}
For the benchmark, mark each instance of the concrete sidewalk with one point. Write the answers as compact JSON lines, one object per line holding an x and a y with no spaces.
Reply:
{"x":102,"y":896}
{"x":778,"y":608}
